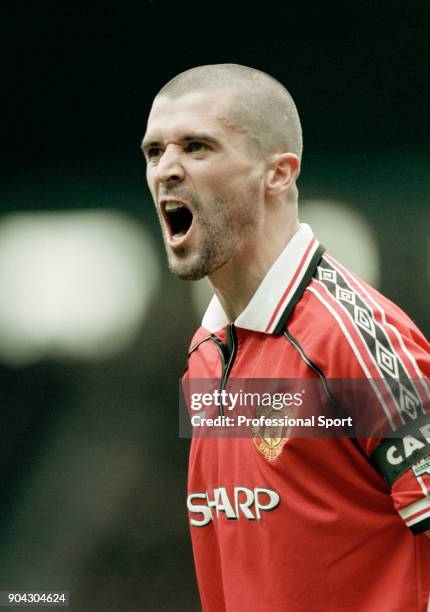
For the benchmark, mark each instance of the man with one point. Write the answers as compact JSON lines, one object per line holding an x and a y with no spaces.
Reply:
{"x":290,"y":524}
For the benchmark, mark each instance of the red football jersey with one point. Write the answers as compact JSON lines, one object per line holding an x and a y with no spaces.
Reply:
{"x":297,"y":524}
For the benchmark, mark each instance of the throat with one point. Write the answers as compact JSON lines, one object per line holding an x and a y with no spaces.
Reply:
{"x":236,"y":282}
{"x":234,"y":291}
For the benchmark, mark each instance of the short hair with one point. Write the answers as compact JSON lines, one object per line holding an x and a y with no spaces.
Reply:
{"x":262,"y":106}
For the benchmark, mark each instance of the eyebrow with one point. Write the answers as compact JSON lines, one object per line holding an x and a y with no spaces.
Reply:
{"x":202,"y":137}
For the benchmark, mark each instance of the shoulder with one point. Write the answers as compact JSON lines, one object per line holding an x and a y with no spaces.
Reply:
{"x":337,"y":287}
{"x":355,"y":330}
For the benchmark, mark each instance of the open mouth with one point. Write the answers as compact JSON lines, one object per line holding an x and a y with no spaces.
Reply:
{"x":179,"y":219}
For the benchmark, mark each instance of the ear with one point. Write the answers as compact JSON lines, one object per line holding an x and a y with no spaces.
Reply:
{"x":281,"y":173}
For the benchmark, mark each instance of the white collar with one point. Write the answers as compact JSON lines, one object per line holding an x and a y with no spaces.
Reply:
{"x":279,"y":290}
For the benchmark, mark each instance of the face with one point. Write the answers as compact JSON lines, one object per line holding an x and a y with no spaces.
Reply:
{"x":206,"y":184}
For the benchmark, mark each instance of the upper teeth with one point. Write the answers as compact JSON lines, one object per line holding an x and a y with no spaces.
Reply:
{"x":170,"y":206}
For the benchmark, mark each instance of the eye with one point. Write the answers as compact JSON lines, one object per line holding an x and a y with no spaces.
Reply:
{"x":196,"y":147}
{"x":153,"y":152}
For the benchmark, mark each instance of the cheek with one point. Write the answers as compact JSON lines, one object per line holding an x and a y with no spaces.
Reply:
{"x":227,"y":181}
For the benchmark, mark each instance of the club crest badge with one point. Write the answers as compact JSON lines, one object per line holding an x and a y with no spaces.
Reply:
{"x":270,"y":441}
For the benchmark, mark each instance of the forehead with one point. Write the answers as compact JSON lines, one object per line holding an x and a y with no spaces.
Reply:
{"x":208,"y":110}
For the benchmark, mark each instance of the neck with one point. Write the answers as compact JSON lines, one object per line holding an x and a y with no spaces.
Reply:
{"x":237,"y":280}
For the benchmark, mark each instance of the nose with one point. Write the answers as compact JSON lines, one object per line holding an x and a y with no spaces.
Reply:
{"x":169,"y":169}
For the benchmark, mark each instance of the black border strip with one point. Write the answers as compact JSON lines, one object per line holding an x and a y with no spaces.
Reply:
{"x":421,"y":526}
{"x":192,"y":349}
{"x":313,"y":265}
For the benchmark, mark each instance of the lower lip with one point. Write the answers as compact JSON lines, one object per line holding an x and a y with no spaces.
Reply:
{"x":179,"y":242}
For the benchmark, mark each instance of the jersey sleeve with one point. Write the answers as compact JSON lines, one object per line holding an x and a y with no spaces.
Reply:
{"x":380,"y":354}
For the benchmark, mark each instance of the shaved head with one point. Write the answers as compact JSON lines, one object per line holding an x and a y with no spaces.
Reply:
{"x":261,"y":107}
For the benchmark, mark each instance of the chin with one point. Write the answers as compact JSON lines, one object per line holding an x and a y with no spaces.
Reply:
{"x":197,"y":267}
{"x":186,"y":271}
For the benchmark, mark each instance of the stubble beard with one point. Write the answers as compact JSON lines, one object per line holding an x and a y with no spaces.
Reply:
{"x":212,"y":252}
{"x":220,"y":237}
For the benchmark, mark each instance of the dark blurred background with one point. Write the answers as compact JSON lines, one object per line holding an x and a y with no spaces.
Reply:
{"x":93,"y":329}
